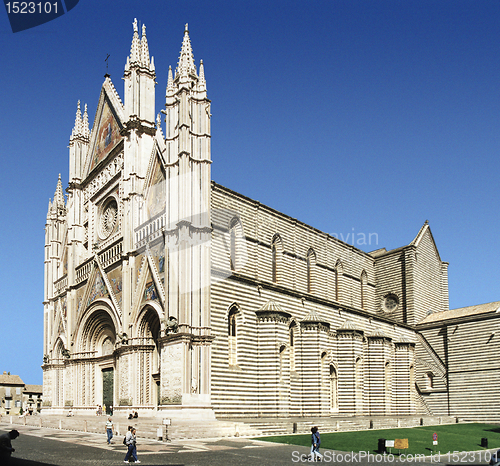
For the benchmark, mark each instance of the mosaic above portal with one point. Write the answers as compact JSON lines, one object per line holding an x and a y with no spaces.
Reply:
{"x":108,"y":135}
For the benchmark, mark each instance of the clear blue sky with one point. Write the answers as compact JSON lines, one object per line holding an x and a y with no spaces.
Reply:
{"x":352,"y":116}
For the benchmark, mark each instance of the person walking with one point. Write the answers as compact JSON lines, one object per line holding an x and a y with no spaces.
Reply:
{"x":315,"y":443}
{"x":109,"y":429}
{"x":131,"y":441}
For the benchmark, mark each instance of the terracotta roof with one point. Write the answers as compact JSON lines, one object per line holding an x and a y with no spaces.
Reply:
{"x":462,"y":312}
{"x":33,"y":388}
{"x":6,"y":379}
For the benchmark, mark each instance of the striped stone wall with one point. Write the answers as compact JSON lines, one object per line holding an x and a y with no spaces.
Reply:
{"x":337,"y":268}
{"x":302,"y":349}
{"x":469,"y":348}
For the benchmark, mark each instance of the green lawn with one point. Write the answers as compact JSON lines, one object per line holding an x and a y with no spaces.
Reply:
{"x":453,"y":437}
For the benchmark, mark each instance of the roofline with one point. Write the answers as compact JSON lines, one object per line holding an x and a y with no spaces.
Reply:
{"x":457,"y":320}
{"x":303,"y":224}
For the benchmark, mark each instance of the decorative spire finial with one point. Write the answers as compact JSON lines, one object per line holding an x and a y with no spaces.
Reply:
{"x":144,"y":48}
{"x":85,"y":123}
{"x":202,"y":84}
{"x":58,"y":195}
{"x":77,"y":129}
{"x":170,"y":81}
{"x":136,"y":44}
{"x":186,"y":66}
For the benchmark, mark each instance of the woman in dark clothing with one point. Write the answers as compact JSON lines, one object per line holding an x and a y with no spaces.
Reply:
{"x":315,"y":443}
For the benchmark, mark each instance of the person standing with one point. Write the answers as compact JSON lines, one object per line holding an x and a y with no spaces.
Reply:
{"x":6,"y":449}
{"x":109,"y":429}
{"x":130,"y":441}
{"x":315,"y":443}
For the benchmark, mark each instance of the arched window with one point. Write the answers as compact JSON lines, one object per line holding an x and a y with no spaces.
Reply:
{"x":232,"y":339}
{"x":363,"y":282}
{"x":282,"y":357}
{"x":276,"y":254}
{"x":387,"y":383}
{"x":237,"y":247}
{"x":233,"y":248}
{"x":358,"y":381}
{"x":339,"y":271}
{"x":291,"y":343}
{"x":333,"y":388}
{"x":429,"y":379}
{"x":311,"y":262}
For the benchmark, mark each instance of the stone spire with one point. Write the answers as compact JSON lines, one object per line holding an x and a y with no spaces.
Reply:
{"x":139,"y":50}
{"x":49,"y":210}
{"x":136,"y":45}
{"x":144,"y":48}
{"x":59,"y":202}
{"x":81,"y":128}
{"x":139,"y":80}
{"x":170,"y":82}
{"x":185,"y":66}
{"x":85,"y":123}
{"x":202,"y":84}
{"x":77,"y":129}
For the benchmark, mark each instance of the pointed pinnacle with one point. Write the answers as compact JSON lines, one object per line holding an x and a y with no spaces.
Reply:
{"x":77,"y":129}
{"x":186,"y":65}
{"x":58,"y":195}
{"x":144,"y":48}
{"x":170,"y":81}
{"x":85,"y":123}
{"x":136,"y":44}
{"x":202,"y":84}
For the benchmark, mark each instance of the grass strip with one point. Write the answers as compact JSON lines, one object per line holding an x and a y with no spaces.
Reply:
{"x":452,"y":437}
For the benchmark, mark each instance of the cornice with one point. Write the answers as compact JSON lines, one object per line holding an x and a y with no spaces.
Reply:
{"x":273,"y":316}
{"x":309,"y":297}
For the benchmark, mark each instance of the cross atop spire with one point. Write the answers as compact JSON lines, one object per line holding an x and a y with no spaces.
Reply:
{"x":186,"y":66}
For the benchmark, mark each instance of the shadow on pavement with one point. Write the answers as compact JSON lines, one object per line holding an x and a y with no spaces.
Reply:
{"x":20,"y":462}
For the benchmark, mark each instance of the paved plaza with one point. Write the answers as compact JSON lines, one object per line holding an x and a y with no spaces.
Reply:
{"x":45,"y":446}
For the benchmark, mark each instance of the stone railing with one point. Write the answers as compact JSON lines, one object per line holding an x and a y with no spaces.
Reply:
{"x":61,"y":285}
{"x":150,"y":230}
{"x":83,"y":271}
{"x":111,"y":255}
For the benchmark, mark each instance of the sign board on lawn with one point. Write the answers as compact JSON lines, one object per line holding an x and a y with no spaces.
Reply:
{"x":401,"y":443}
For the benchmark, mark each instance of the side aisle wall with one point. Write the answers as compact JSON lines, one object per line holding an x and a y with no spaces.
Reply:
{"x":280,"y":350}
{"x":468,"y":349}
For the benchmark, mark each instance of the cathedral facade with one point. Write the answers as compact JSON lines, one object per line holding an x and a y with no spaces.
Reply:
{"x":175,"y":296}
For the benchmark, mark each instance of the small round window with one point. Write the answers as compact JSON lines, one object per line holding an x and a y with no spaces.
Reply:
{"x":109,"y":218}
{"x":391,"y":303}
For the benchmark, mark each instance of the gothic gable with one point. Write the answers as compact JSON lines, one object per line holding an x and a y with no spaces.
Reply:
{"x":149,"y":284}
{"x":107,"y":126}
{"x":154,"y":193}
{"x":425,"y":241}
